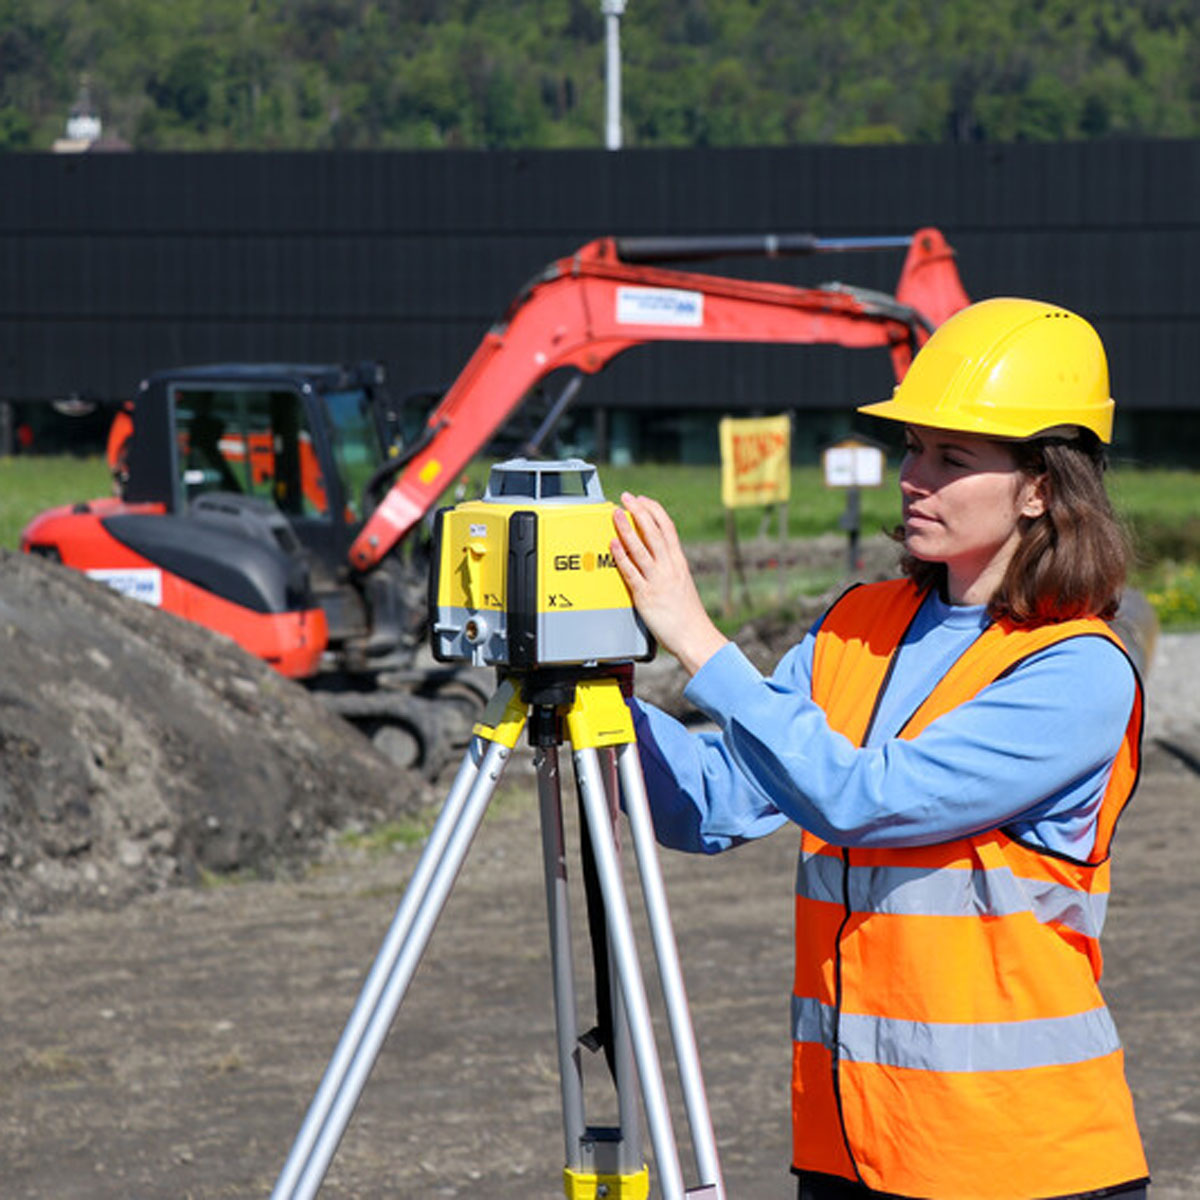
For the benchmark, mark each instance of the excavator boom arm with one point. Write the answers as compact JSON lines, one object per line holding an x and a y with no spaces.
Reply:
{"x":585,"y":309}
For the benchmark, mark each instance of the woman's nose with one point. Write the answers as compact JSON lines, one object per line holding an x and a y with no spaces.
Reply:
{"x":910,"y":478}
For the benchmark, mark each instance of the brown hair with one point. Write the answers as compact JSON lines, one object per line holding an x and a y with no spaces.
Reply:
{"x":1071,"y":561}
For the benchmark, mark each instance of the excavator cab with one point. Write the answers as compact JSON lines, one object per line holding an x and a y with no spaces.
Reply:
{"x":281,"y":456}
{"x":306,"y":439}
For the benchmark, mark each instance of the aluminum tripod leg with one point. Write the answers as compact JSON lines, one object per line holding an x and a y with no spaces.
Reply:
{"x":623,"y":1057}
{"x":687,"y":1056}
{"x":385,"y":987}
{"x":592,"y":1152}
{"x":599,"y":718}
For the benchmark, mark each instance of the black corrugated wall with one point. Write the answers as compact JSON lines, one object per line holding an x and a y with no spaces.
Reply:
{"x":112,"y":265}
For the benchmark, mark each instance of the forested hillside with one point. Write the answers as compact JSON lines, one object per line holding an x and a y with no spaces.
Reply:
{"x":405,"y":74}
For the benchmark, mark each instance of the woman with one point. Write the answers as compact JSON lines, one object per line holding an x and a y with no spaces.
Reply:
{"x":956,"y":746}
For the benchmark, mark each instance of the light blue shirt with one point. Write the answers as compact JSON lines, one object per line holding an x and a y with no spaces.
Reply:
{"x":1032,"y":752}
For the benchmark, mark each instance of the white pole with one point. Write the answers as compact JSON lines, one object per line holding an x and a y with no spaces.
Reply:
{"x":613,"y":10}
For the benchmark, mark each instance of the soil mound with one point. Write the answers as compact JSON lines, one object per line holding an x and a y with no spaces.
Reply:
{"x":138,"y":751}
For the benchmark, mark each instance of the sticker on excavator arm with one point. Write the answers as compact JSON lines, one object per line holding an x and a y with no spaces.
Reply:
{"x":659,"y":306}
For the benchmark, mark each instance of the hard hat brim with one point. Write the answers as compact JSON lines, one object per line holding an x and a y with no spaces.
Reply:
{"x":1018,"y":426}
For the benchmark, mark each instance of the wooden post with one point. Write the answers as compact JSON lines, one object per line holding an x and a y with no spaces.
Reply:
{"x":783,"y":535}
{"x":852,"y":523}
{"x":733,"y":560}
{"x":730,"y":544}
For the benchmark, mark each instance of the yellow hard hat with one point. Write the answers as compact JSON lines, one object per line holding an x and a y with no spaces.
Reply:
{"x":1006,"y":368}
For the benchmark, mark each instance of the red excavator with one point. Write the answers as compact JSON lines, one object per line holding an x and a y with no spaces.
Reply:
{"x":277,"y":504}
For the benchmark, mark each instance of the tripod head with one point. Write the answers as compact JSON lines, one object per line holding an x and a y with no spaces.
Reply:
{"x":524,"y":578}
{"x":550,"y":694}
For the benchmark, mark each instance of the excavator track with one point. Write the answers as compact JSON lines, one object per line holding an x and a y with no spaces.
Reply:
{"x":422,"y":730}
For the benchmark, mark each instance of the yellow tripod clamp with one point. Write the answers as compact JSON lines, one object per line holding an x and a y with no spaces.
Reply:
{"x":587,"y":1185}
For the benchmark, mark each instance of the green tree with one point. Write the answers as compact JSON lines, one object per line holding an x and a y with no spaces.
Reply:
{"x":193,"y":74}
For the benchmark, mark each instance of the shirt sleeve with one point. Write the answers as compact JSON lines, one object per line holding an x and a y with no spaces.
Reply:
{"x":1034,"y":748}
{"x":700,"y":799}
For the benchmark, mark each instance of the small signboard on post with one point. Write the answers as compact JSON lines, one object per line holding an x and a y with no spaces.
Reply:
{"x":756,"y":470}
{"x":853,"y":463}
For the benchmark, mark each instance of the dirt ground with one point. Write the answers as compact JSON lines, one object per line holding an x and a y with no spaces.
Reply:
{"x":170,"y":1049}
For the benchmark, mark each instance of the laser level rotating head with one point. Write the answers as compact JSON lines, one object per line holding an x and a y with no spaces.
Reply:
{"x":524,"y":578}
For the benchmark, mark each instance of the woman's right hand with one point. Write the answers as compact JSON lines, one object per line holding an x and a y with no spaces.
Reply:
{"x":650,"y":557}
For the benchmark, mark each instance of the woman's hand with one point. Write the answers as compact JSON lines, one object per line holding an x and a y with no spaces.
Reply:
{"x":650,"y":557}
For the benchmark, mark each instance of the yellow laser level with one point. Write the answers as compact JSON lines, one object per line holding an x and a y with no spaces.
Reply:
{"x":525,"y":578}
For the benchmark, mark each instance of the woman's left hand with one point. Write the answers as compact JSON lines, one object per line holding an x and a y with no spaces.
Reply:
{"x":650,"y":557}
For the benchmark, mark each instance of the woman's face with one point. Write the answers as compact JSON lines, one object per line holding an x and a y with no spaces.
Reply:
{"x":964,"y":499}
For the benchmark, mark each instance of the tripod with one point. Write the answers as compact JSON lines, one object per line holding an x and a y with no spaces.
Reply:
{"x":600,"y":1161}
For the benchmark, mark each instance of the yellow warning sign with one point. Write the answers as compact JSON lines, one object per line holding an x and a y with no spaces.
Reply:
{"x":755,"y":460}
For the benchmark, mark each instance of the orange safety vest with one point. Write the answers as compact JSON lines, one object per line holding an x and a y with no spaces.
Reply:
{"x":949,"y":1037}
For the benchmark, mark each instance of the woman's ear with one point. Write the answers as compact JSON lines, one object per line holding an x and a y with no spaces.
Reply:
{"x":1033,"y":499}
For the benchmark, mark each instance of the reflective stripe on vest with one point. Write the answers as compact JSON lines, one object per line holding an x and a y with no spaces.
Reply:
{"x":949,"y":1037}
{"x":980,"y":1046}
{"x":912,"y":891}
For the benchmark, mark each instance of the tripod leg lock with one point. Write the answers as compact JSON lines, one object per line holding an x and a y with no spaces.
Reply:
{"x":589,"y":1185}
{"x":504,"y":717}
